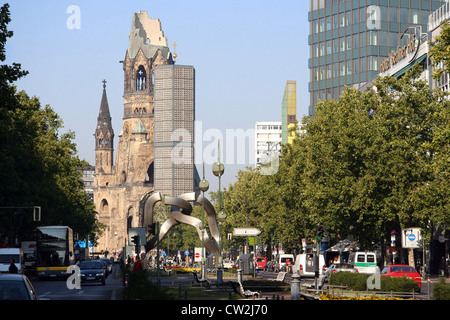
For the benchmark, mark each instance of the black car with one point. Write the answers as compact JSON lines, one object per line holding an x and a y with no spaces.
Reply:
{"x":92,"y":271}
{"x":16,"y":287}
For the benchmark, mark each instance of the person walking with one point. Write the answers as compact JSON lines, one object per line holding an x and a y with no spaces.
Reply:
{"x":137,"y":264}
{"x":12,"y":267}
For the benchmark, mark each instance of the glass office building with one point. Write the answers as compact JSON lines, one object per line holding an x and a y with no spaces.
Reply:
{"x":349,"y":39}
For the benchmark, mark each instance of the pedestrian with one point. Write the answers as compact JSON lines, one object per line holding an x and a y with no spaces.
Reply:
{"x":12,"y":267}
{"x":137,"y":264}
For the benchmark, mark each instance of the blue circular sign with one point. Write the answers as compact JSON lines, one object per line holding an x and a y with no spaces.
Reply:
{"x":186,"y":253}
{"x":411,"y":237}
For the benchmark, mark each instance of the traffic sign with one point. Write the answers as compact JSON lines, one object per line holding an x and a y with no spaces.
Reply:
{"x":411,"y":238}
{"x":197,"y":254}
{"x":246,"y":232}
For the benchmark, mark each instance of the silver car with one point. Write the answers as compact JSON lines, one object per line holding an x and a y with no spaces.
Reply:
{"x":338,"y":267}
{"x":16,"y":287}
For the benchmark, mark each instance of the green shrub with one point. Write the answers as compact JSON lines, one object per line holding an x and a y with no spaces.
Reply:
{"x":441,"y":290}
{"x":140,"y":287}
{"x":358,"y":282}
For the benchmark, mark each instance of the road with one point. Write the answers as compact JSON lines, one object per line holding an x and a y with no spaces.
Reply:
{"x":58,"y":290}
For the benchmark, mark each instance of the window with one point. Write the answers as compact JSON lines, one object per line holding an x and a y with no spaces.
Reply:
{"x":356,"y":65}
{"x":342,"y":68}
{"x":141,"y":79}
{"x":373,"y":63}
{"x":393,"y":14}
{"x":342,"y":43}
{"x":342,"y":19}
{"x":373,"y":38}
{"x":360,"y":258}
{"x":383,"y":38}
{"x":370,"y":258}
{"x":356,"y":41}
{"x":335,"y":21}
{"x":329,"y":49}
{"x":404,"y":15}
{"x":355,"y":16}
{"x":335,"y":45}
{"x":414,"y":16}
{"x":393,"y":39}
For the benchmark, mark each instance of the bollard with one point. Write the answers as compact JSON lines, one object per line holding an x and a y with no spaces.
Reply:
{"x":295,"y":287}
{"x":239,"y":275}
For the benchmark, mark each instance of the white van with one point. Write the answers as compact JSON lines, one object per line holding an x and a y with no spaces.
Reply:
{"x":364,"y":262}
{"x":305,"y":264}
{"x":6,"y":254}
{"x":281,"y":261}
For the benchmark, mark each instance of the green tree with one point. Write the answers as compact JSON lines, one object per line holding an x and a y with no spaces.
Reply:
{"x":38,"y":164}
{"x":440,"y":51}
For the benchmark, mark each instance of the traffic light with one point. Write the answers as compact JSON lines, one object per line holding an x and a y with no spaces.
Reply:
{"x":152,"y":229}
{"x":320,"y":232}
{"x":136,"y":239}
{"x":36,"y":213}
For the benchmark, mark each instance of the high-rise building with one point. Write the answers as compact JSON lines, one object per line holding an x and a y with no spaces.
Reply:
{"x":349,"y":39}
{"x":174,"y":129}
{"x":267,"y":141}
{"x":289,"y":110}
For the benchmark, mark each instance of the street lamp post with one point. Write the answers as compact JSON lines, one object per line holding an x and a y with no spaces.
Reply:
{"x":218,"y":170}
{"x":203,"y":186}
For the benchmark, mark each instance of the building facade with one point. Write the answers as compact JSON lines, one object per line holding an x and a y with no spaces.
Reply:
{"x":268,"y":136}
{"x":122,"y":186}
{"x":174,"y":129}
{"x":289,"y":110}
{"x":349,"y":39}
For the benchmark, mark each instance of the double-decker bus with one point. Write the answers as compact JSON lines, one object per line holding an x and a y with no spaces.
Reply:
{"x":54,"y":251}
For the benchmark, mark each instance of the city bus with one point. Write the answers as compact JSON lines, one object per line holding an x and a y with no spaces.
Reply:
{"x":54,"y":251}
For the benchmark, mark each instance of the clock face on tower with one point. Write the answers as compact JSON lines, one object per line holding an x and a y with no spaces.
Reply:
{"x":126,"y":130}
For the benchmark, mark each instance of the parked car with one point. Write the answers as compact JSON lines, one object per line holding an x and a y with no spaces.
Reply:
{"x":16,"y":287}
{"x":338,"y":267}
{"x":92,"y":271}
{"x":261,"y":263}
{"x":400,"y":270}
{"x":270,"y":266}
{"x":227,"y":264}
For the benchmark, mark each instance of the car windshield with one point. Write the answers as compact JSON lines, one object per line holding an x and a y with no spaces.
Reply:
{"x":402,"y":269}
{"x":13,"y":290}
{"x":91,"y":265}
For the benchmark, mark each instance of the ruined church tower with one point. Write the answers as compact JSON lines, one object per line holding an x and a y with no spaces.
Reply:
{"x":119,"y":186}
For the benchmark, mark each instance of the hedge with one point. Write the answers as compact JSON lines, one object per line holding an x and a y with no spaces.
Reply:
{"x":358,"y":282}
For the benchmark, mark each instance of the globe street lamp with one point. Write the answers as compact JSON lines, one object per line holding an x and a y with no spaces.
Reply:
{"x":218,"y":170}
{"x":203,"y":186}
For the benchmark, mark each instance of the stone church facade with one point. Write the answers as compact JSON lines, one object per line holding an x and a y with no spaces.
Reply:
{"x":122,"y":186}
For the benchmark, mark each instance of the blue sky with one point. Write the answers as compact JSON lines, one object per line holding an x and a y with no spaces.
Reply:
{"x":243,"y":53}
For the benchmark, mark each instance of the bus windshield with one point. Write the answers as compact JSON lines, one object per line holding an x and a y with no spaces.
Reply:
{"x":54,"y":249}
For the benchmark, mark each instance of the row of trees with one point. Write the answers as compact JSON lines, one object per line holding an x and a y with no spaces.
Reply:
{"x":370,"y":163}
{"x":38,"y":164}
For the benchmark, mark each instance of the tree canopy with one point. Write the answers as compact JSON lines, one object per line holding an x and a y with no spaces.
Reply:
{"x":39,"y":165}
{"x":369,"y":163}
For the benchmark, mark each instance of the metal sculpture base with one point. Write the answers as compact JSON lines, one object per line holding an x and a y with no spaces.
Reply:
{"x":182,"y":215}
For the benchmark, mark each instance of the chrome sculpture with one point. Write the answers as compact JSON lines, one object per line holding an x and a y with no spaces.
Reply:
{"x":183,"y":215}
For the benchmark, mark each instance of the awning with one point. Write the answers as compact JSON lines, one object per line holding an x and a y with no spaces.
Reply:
{"x":409,"y":66}
{"x":343,"y":246}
